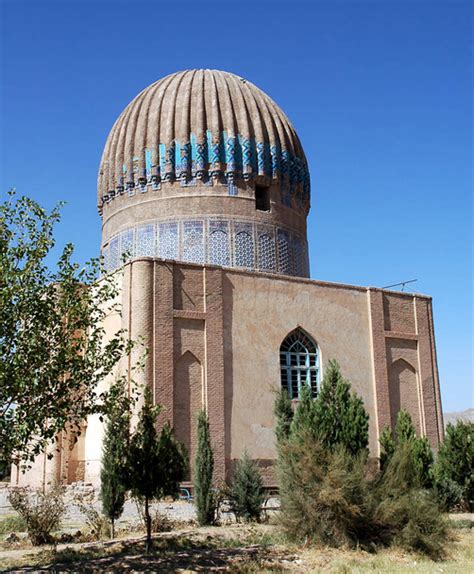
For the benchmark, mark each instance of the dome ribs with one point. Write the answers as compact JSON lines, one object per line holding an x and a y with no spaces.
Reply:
{"x":118,"y":147}
{"x":214,"y":118}
{"x":229,"y":134}
{"x":183,"y":128}
{"x":259,"y":130}
{"x":141,"y":138}
{"x":131,"y":160}
{"x":198,"y":135}
{"x":200,"y":124}
{"x":243,"y":125}
{"x":156,"y":124}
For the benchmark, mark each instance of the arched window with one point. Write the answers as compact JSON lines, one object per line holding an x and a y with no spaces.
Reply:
{"x":299,"y":362}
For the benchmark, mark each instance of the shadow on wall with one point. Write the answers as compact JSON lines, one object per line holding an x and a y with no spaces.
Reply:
{"x":404,"y":393}
{"x":188,"y":392}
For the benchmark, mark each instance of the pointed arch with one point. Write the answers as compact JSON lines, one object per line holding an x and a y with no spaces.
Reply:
{"x":299,"y":363}
{"x":403,"y":391}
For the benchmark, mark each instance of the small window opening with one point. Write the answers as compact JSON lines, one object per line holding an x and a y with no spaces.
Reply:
{"x":262,"y":198}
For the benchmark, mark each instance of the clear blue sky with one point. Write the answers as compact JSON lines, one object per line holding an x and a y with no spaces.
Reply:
{"x":380,"y":94}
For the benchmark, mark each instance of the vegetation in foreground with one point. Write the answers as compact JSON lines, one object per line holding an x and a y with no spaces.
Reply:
{"x":327,"y":494}
{"x":243,"y":549}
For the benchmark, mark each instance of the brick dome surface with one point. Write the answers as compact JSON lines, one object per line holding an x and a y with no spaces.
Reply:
{"x":203,"y":125}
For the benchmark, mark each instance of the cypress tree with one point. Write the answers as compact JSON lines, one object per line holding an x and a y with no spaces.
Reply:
{"x":303,"y":419}
{"x":283,"y":412}
{"x":339,"y":416}
{"x":112,"y":487}
{"x":418,"y":449}
{"x":247,"y":493}
{"x":203,"y":470}
{"x":455,"y":462}
{"x":387,"y":447}
{"x":155,"y":464}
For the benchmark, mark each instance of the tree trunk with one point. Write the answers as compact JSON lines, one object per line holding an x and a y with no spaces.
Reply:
{"x":113,"y":529}
{"x":148,"y":525}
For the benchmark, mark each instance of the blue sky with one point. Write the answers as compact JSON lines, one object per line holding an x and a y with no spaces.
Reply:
{"x":379,"y":92}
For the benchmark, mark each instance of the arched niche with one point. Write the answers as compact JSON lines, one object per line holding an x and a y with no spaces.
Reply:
{"x":188,"y":401}
{"x":403,"y":391}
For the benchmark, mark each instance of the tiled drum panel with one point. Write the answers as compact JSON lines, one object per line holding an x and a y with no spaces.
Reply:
{"x":229,"y":243}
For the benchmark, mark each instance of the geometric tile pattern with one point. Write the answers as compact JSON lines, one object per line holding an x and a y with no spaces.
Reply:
{"x":225,"y":242}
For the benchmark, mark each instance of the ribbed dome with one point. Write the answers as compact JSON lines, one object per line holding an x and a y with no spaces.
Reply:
{"x":202,"y":124}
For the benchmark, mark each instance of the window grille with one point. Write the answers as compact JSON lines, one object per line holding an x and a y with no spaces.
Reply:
{"x":219,"y":252}
{"x":169,"y":240}
{"x":106,"y":259}
{"x":266,"y":253}
{"x":299,"y":363}
{"x":146,"y":241}
{"x":126,"y":245}
{"x":298,"y":257}
{"x":284,"y":256}
{"x":114,"y":253}
{"x":193,"y":241}
{"x":244,"y":250}
{"x":217,"y":241}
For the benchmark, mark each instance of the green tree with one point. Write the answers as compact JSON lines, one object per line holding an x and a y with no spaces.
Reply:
{"x":454,"y":468}
{"x":155,"y":464}
{"x":303,"y":418}
{"x":404,"y":429}
{"x":418,"y":447}
{"x":387,"y":446}
{"x":203,"y":471}
{"x":283,"y":412}
{"x":247,"y":493}
{"x":114,"y":452}
{"x":53,"y":353}
{"x":340,"y":418}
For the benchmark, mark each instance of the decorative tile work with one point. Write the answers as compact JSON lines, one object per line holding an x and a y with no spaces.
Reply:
{"x":145,"y":246}
{"x":216,"y":241}
{"x":193,"y":242}
{"x":267,"y":257}
{"x":114,"y":253}
{"x":168,"y":240}
{"x":219,"y":252}
{"x":233,"y":158}
{"x":284,"y":255}
{"x":127,"y":244}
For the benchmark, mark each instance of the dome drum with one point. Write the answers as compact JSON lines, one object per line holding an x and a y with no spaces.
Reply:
{"x":215,"y":241}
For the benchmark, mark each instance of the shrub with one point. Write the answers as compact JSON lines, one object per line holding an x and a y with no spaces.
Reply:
{"x":97,"y":525}
{"x":323,"y":494}
{"x":419,"y":450}
{"x":247,"y":494}
{"x":326,"y":496}
{"x":41,"y":511}
{"x":409,"y":514}
{"x":448,"y":493}
{"x":454,"y":466}
{"x":283,"y":412}
{"x":203,"y":471}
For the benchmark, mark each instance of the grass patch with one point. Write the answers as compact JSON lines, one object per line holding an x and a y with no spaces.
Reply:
{"x":463,"y":523}
{"x":12,"y":523}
